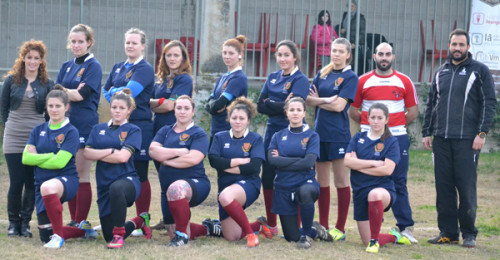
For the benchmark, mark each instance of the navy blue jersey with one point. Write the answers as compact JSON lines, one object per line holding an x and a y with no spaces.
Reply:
{"x":232,"y":86}
{"x":47,"y":140}
{"x":171,"y":89}
{"x":291,"y":144}
{"x":250,"y":146}
{"x":83,"y":114}
{"x":278,"y":87}
{"x":193,"y":137}
{"x":368,"y":149}
{"x":334,"y":126}
{"x":102,"y":137}
{"x":140,"y":72}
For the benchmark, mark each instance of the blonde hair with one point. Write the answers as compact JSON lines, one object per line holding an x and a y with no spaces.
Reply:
{"x":328,"y":68}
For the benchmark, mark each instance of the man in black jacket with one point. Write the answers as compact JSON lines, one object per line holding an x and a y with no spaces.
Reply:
{"x":459,"y":114}
{"x":344,"y":26}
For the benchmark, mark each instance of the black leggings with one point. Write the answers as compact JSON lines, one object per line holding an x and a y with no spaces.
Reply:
{"x":20,"y":205}
{"x":142,"y":170}
{"x":121,"y":196}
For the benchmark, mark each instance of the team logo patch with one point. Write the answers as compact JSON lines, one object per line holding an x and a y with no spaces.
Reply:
{"x":123,"y":136}
{"x":287,"y":85}
{"x":378,"y":148}
{"x":170,"y":84}
{"x":80,"y":73}
{"x":129,"y":74}
{"x":397,"y":94}
{"x":303,"y":142}
{"x":224,"y":86}
{"x":338,"y":81}
{"x":59,"y":140}
{"x":184,"y":138}
{"x":246,"y":148}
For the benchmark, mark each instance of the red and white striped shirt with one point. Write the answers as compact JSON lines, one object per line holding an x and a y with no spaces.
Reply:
{"x":396,"y":91}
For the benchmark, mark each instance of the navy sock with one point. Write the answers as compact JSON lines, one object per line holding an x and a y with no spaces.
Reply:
{"x":307,"y":215}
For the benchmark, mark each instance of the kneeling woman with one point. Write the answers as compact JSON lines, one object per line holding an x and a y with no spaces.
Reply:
{"x":237,"y":154}
{"x":180,"y":148}
{"x":293,"y":151}
{"x":111,"y":145}
{"x":51,"y":148}
{"x":372,"y":157}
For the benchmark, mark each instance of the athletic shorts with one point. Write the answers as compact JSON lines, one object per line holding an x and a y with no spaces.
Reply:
{"x":360,"y":201}
{"x":331,"y":151}
{"x":252,"y":191}
{"x":285,"y":202}
{"x":70,"y":183}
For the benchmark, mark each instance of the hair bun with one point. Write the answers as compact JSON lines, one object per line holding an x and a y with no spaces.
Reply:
{"x":242,"y":39}
{"x":127,"y":91}
{"x":58,"y":87}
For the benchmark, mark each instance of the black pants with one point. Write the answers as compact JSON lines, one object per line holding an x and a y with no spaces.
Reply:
{"x":455,"y":165}
{"x":20,"y":204}
{"x":121,"y":196}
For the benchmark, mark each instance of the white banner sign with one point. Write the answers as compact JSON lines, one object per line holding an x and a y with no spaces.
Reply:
{"x":484,"y":32}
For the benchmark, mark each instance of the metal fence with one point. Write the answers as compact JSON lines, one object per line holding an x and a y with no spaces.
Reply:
{"x":417,"y":29}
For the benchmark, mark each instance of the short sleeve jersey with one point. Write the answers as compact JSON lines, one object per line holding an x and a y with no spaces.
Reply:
{"x":250,"y":146}
{"x":83,"y":114}
{"x":192,"y":138}
{"x":47,"y":140}
{"x":234,"y":84}
{"x":291,"y":144}
{"x":396,"y":91}
{"x":171,"y":89}
{"x":369,"y":149}
{"x":334,"y":126}
{"x":103,"y":137}
{"x":141,"y":72}
{"x":278,"y":87}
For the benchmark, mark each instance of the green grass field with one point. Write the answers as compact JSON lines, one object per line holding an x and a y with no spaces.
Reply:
{"x":422,"y":196}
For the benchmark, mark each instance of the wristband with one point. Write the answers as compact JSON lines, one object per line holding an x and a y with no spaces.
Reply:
{"x":160,"y":101}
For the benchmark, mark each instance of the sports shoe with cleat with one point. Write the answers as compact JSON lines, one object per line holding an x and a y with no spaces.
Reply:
{"x":337,"y":234}
{"x":322,"y":233}
{"x":159,"y":226}
{"x":180,"y":239}
{"x":214,"y":227}
{"x":442,"y":239}
{"x":72,"y":223}
{"x":400,"y":239}
{"x":146,"y":230}
{"x":264,"y":228}
{"x":252,"y":240}
{"x":469,"y":242}
{"x":117,"y":242}
{"x":304,"y":242}
{"x":373,"y":246}
{"x":90,"y":233}
{"x":407,"y":232}
{"x":55,"y":242}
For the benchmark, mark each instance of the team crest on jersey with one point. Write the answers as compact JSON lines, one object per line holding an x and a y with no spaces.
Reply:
{"x":59,"y":140}
{"x":123,"y":136}
{"x":246,"y":148}
{"x":224,"y":86}
{"x":303,"y":142}
{"x":128,"y":75}
{"x":396,"y":93}
{"x":378,"y":148}
{"x":338,"y":81}
{"x":287,"y":86}
{"x":183,"y":138}
{"x":170,"y":84}
{"x":80,"y":73}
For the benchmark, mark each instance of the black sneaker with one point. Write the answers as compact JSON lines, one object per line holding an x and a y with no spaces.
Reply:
{"x":25,"y":230}
{"x":180,"y":239}
{"x":13,"y":230}
{"x":304,"y":242}
{"x":73,"y":223}
{"x":214,"y":227}
{"x":469,"y":242}
{"x":442,"y":239}
{"x":322,"y":233}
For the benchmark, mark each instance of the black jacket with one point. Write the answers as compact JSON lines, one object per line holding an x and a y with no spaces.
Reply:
{"x":12,"y":95}
{"x":352,"y":35}
{"x":461,"y":102}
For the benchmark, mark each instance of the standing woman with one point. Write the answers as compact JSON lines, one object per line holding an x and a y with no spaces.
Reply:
{"x":137,"y":75}
{"x":112,"y":145}
{"x":174,"y":80}
{"x":293,"y":152}
{"x":229,"y":86}
{"x":372,"y":157}
{"x":52,"y":148}
{"x":280,"y":86}
{"x":321,"y":36}
{"x":81,"y":78}
{"x":181,"y":148}
{"x":237,"y":155}
{"x":23,"y":103}
{"x":332,"y":91}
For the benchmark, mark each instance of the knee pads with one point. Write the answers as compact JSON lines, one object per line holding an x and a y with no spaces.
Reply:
{"x":44,"y":227}
{"x":307,"y":193}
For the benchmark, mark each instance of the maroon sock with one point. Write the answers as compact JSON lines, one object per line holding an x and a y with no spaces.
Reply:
{"x":197,"y":230}
{"x":54,"y":209}
{"x":255,"y":226}
{"x":324,"y":206}
{"x":180,"y":213}
{"x":268,"y":201}
{"x":375,"y":216}
{"x":144,"y":200}
{"x":235,"y":210}
{"x":72,"y":232}
{"x":344,"y":199}
{"x":83,"y":201}
{"x":138,"y":222}
{"x":386,"y":238}
{"x":120,"y":231}
{"x":72,"y":207}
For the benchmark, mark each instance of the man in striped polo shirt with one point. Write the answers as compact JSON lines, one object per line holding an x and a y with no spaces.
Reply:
{"x":395,"y":90}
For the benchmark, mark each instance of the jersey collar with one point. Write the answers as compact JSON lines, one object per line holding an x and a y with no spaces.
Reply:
{"x":244,"y":134}
{"x":137,"y":61}
{"x":187,"y":128}
{"x":293,"y":71}
{"x":236,"y":69}
{"x":110,"y":122}
{"x":305,"y":127}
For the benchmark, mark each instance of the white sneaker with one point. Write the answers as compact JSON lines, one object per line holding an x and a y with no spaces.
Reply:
{"x":55,"y":242}
{"x":408,"y":234}
{"x":137,"y":233}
